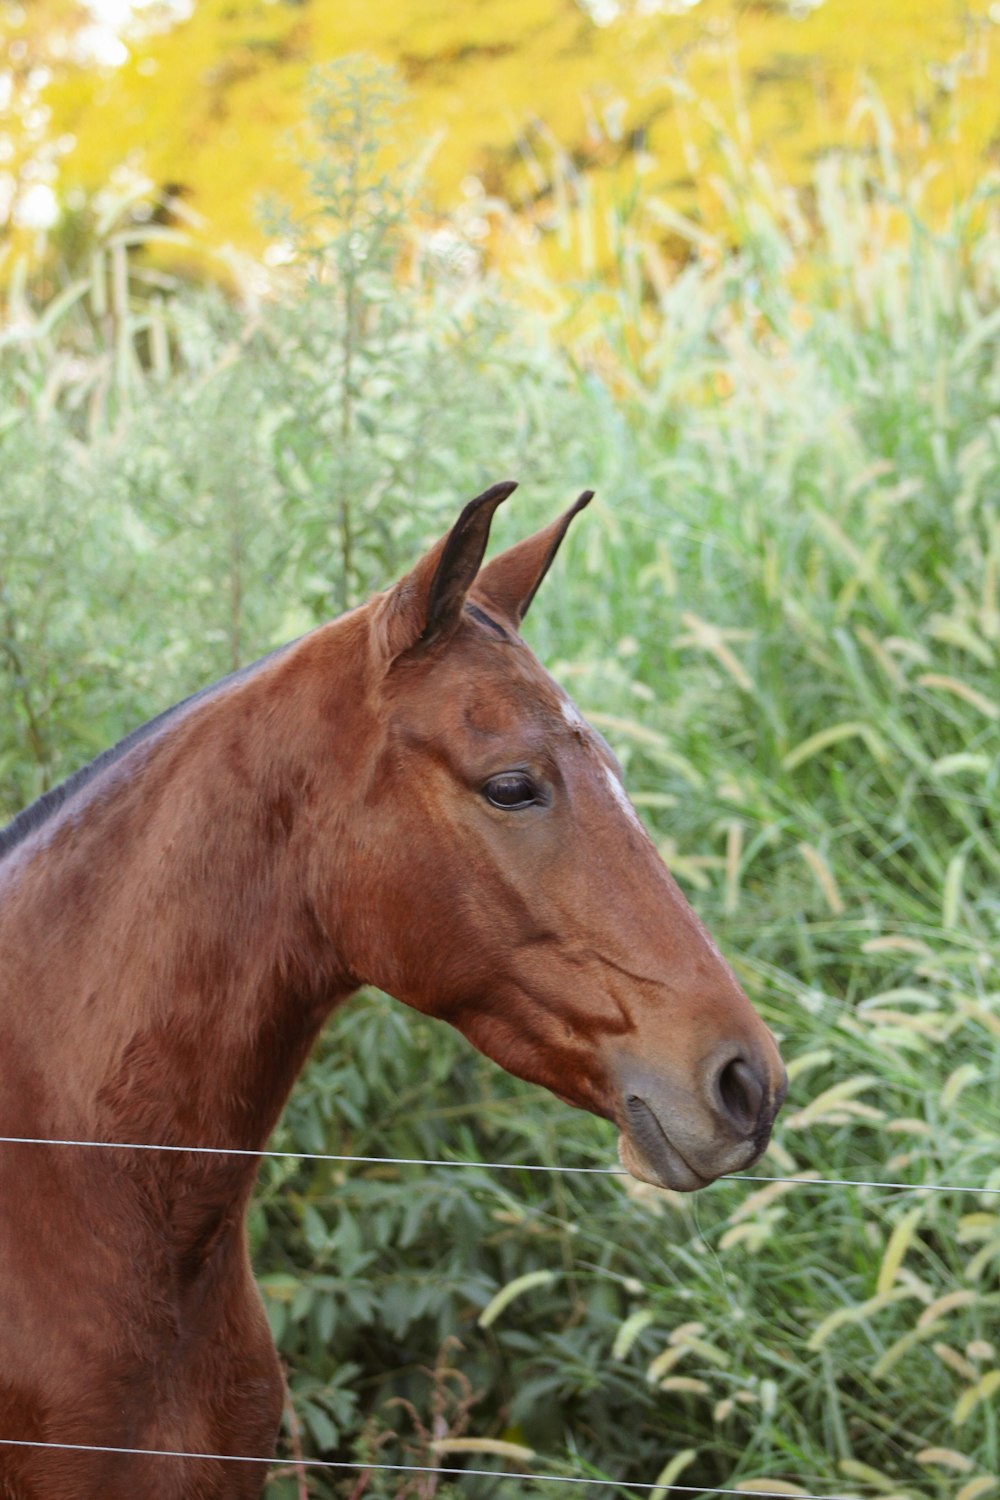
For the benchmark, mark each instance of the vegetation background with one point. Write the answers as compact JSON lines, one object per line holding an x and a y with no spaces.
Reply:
{"x":738,"y":268}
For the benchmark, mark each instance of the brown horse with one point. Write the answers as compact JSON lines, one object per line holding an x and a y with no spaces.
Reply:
{"x":403,"y":798}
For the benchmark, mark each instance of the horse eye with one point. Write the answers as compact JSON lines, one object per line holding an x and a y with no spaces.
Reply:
{"x":511,"y":789}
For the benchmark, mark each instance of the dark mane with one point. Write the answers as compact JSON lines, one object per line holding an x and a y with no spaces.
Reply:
{"x":38,"y":812}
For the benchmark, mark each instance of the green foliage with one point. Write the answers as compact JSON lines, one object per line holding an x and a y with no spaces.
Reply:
{"x":783,"y":611}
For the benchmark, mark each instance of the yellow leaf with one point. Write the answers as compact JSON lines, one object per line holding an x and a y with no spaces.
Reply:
{"x":829,"y":1099}
{"x":979,"y":1013}
{"x":664,"y":1362}
{"x":951,"y":1357}
{"x":899,"y":1242}
{"x":764,"y":1196}
{"x":961,"y":690}
{"x":956,"y":1082}
{"x":513,"y":1289}
{"x":831,"y":736}
{"x":630,"y":1331}
{"x":946,"y":1304}
{"x":981,"y":1391}
{"x":766,"y":1486}
{"x":855,"y":1314}
{"x":711,"y":639}
{"x":977,"y":1265}
{"x":498,"y":1446}
{"x":892,"y":943}
{"x":951,"y":891}
{"x":641,"y":733}
{"x":907,"y":1126}
{"x":824,"y":878}
{"x":964,"y":760}
{"x":753,"y":1235}
{"x":808,"y":1060}
{"x":978,"y":1226}
{"x":902,"y":1346}
{"x":714,"y":1355}
{"x":981,"y":1485}
{"x":685,"y":1331}
{"x":671,"y":1470}
{"x":864,"y":1472}
{"x":946,"y":1457}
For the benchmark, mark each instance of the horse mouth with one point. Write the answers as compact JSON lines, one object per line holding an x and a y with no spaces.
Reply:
{"x":647,"y":1152}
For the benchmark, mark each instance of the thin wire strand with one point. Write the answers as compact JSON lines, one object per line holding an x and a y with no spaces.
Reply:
{"x":332,"y":1463}
{"x":434,"y":1162}
{"x":493,"y":1166}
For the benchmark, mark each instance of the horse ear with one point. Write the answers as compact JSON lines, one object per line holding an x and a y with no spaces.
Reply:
{"x":425,"y":607}
{"x":510,"y":581}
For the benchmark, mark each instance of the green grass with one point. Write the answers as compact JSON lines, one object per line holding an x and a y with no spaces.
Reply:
{"x":784,"y":612}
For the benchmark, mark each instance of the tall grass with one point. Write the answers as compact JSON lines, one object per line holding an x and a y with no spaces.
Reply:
{"x":784,"y":612}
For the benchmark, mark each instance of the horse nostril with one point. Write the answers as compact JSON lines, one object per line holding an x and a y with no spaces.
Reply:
{"x":740,"y":1095}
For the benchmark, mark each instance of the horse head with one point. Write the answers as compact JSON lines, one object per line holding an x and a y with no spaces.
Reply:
{"x":503,"y":882}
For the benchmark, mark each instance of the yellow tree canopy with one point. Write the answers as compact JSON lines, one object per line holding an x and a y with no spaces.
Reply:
{"x":520,"y":95}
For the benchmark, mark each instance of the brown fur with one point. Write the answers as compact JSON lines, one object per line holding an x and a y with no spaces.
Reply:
{"x":175,"y":932}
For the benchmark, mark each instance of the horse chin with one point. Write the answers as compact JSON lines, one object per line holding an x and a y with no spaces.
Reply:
{"x":658,"y":1162}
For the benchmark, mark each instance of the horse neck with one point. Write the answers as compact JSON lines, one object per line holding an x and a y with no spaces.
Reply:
{"x":178,"y":965}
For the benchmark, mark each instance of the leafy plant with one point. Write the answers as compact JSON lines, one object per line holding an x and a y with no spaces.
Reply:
{"x":783,"y":611}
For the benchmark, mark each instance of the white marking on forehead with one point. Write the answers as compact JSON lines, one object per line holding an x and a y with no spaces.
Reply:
{"x":621,"y":797}
{"x":574,"y":718}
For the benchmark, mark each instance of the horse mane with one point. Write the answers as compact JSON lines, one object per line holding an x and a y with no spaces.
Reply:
{"x":37,"y":813}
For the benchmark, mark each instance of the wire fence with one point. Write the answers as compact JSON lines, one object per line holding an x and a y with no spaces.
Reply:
{"x":804,"y":1179}
{"x":359,"y":1464}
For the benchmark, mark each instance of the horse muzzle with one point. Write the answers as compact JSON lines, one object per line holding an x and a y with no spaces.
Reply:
{"x":684,"y":1133}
